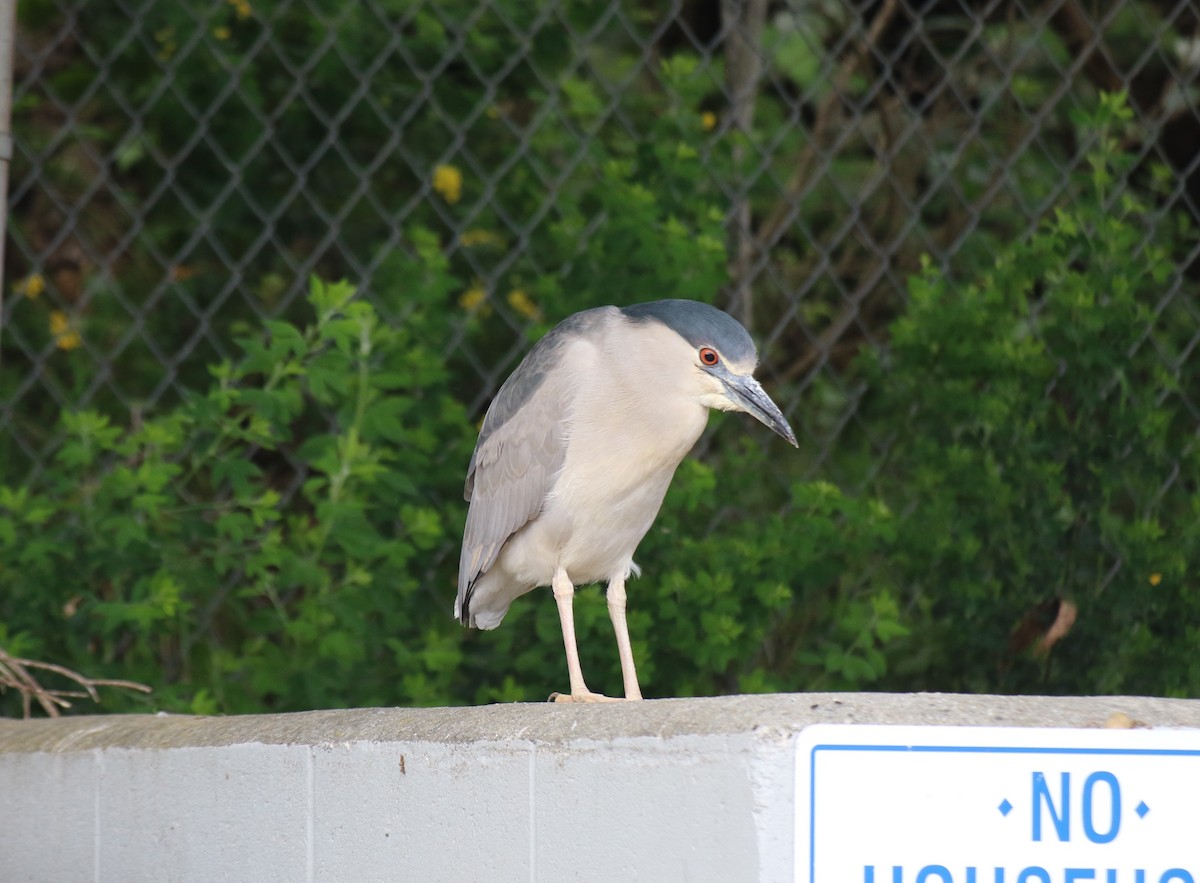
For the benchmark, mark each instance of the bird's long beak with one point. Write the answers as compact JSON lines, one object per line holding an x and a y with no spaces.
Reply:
{"x":749,"y":396}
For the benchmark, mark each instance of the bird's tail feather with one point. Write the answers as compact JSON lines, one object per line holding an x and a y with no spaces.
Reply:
{"x":486,"y":600}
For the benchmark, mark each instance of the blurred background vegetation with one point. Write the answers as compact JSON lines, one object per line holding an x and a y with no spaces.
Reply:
{"x":269,"y":260}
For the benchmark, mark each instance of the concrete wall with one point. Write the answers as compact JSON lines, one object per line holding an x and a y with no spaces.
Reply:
{"x":685,"y":789}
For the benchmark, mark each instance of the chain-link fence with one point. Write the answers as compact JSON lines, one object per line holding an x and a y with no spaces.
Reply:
{"x":183,"y":166}
{"x":480,"y":170}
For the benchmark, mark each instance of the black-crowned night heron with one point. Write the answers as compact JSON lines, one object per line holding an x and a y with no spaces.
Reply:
{"x":578,"y":448}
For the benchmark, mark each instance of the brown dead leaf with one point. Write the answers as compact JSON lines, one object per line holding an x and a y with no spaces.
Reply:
{"x":1067,"y":612}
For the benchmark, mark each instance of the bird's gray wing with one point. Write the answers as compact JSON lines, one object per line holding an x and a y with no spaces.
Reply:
{"x":520,"y":450}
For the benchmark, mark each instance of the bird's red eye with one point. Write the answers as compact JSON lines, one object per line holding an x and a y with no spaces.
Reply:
{"x":709,"y":356}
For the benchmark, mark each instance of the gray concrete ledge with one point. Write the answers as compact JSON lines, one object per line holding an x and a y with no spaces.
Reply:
{"x":681,"y":789}
{"x":553,"y":723}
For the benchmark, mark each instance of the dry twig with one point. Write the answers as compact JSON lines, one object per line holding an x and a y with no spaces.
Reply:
{"x":15,"y":674}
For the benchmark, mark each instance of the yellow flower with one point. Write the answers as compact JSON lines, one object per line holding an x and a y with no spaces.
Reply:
{"x":166,"y":43}
{"x":708,"y":120}
{"x":473,"y":298}
{"x":480,"y":237}
{"x":31,"y":286}
{"x":241,"y":7}
{"x":65,"y":337}
{"x":523,"y":304}
{"x":447,"y":180}
{"x":221,"y":33}
{"x":1155,"y":579}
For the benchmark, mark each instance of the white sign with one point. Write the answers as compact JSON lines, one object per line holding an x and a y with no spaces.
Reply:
{"x":878,"y":804}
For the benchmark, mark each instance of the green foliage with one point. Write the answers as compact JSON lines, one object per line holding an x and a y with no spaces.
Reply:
{"x":284,"y":536}
{"x":1044,"y":451}
{"x":162,"y":549}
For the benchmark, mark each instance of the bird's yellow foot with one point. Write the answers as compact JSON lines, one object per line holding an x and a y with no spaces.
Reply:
{"x":583,"y":696}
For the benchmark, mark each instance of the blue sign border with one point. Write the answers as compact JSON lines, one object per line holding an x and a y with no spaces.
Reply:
{"x":954,"y":749}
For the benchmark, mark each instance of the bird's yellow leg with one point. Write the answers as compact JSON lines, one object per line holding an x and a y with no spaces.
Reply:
{"x":564,"y":596}
{"x":616,"y":612}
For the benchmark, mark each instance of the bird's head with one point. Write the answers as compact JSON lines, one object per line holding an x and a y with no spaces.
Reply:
{"x":722,"y":359}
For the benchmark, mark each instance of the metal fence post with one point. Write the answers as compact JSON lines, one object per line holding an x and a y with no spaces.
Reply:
{"x":8,"y":38}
